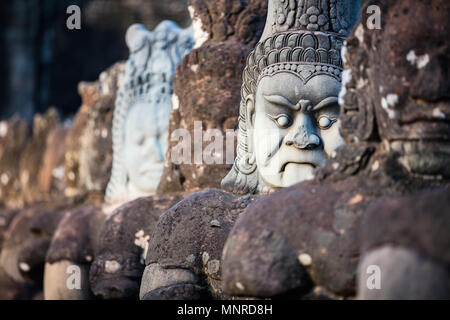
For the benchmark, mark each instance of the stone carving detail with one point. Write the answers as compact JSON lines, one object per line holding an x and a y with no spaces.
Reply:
{"x":314,"y":15}
{"x":143,"y":106}
{"x":308,"y":58}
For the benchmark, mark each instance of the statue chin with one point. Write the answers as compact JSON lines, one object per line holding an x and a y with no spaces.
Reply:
{"x":145,"y":180}
{"x":292,"y":173}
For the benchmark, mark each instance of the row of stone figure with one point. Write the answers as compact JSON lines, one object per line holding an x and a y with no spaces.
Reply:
{"x":366,"y":208}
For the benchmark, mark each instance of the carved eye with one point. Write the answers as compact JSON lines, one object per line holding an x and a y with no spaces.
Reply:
{"x":325,"y":122}
{"x":283,"y":121}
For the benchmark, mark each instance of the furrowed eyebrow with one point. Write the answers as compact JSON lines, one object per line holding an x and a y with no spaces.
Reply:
{"x":326,"y":102}
{"x":282,"y":101}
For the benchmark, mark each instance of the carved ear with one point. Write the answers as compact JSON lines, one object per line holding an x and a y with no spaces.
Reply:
{"x":249,"y":113}
{"x":250,"y":109}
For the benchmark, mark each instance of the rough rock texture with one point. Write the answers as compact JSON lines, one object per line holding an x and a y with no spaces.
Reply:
{"x":88,"y":155}
{"x":228,"y":20}
{"x":10,"y":290}
{"x":76,"y":235}
{"x":207,"y":86}
{"x":315,"y":226}
{"x":6,"y":216}
{"x":192,"y":233}
{"x":410,"y":244}
{"x":14,"y":135}
{"x":51,"y":180}
{"x":26,"y":242}
{"x":32,"y":157}
{"x":313,"y":223}
{"x":122,"y":244}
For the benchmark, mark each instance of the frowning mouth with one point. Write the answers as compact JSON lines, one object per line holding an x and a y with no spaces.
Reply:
{"x":283,"y":167}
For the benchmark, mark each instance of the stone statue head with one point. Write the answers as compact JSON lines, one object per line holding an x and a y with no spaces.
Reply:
{"x":289,"y":109}
{"x":405,"y":105}
{"x":143,"y":105}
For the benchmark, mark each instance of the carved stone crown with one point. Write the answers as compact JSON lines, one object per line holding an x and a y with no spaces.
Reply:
{"x":306,"y":54}
{"x":335,"y":16}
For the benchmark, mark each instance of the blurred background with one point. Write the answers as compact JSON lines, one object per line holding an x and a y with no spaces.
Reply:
{"x":42,"y":62}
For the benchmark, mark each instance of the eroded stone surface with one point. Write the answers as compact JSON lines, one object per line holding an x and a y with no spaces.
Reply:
{"x":185,"y":238}
{"x":31,"y":159}
{"x":88,"y":152}
{"x":122,"y":245}
{"x":14,"y":135}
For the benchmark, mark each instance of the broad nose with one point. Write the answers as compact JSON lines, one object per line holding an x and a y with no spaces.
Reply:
{"x":303,"y":136}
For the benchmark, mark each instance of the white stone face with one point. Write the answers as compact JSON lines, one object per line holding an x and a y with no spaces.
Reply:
{"x":295,"y":127}
{"x":141,"y":117}
{"x":146,"y":144}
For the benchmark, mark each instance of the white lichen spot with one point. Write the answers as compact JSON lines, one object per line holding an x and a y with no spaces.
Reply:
{"x":194,"y":68}
{"x":175,"y":102}
{"x":375,"y":166}
{"x":346,"y":77}
{"x":213,"y":266}
{"x":437,"y":113}
{"x":392,"y":99}
{"x":4,"y":178}
{"x":88,"y":258}
{"x":215,"y":223}
{"x":3,"y":129}
{"x":240,"y":286}
{"x":361,"y":83}
{"x":104,"y":133}
{"x":58,"y":173}
{"x":335,"y":166}
{"x":200,"y":35}
{"x":112,"y":266}
{"x":305,"y":259}
{"x":205,"y":257}
{"x":356,"y":199}
{"x":344,"y":53}
{"x":71,"y":176}
{"x":24,"y":267}
{"x":418,"y":61}
{"x":359,"y":33}
{"x":190,"y":258}
{"x":389,"y":102}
